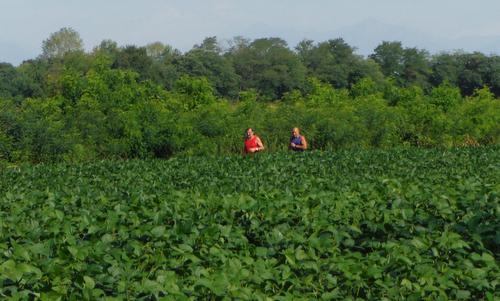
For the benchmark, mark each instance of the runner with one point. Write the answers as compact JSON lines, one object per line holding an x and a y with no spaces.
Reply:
{"x":297,"y":141}
{"x":253,"y":143}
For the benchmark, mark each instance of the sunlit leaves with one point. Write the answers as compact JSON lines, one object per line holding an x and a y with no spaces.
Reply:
{"x":382,"y":225}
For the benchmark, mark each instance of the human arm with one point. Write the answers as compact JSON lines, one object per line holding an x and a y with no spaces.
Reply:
{"x":260,"y":145}
{"x":304,"y":143}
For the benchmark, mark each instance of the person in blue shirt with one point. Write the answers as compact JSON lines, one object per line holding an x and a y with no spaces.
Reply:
{"x":297,"y":141}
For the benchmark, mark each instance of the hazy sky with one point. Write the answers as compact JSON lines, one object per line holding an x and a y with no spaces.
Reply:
{"x":431,"y":24}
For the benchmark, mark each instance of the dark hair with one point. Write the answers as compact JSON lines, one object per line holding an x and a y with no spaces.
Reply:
{"x":247,"y":131}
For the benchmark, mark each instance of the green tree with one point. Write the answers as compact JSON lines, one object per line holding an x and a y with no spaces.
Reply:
{"x":43,"y":136}
{"x":473,"y":75}
{"x":157,"y":50}
{"x":268,"y":66}
{"x":416,"y":69}
{"x":209,"y":44}
{"x":163,"y":70}
{"x":475,"y":121}
{"x":238,"y":44}
{"x":335,"y":62}
{"x":365,"y":87}
{"x":365,"y":68}
{"x":408,"y":66}
{"x":492,"y":76}
{"x":74,"y":63}
{"x":390,"y":57}
{"x":15,"y":84}
{"x":445,"y":96}
{"x":206,"y":60}
{"x":323,"y":94}
{"x":135,"y":58}
{"x":10,"y":130}
{"x":35,"y":71}
{"x":61,"y":42}
{"x":108,"y":49}
{"x":197,"y":91}
{"x":445,"y":67}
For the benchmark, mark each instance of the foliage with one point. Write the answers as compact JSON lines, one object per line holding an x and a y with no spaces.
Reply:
{"x":206,"y":60}
{"x":198,"y":91}
{"x":136,"y":59}
{"x":14,"y":84}
{"x":445,"y":96}
{"x":268,"y":66}
{"x":155,"y":101}
{"x":408,"y":224}
{"x":109,"y":113}
{"x":335,"y":62}
{"x":61,"y":42}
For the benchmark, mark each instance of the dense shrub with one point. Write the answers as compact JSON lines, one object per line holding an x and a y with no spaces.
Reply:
{"x":110,"y":113}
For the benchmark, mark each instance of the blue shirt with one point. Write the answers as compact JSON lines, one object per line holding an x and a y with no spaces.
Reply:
{"x":297,"y":141}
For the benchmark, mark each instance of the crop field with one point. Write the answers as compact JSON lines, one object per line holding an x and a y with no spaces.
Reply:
{"x":407,"y":224}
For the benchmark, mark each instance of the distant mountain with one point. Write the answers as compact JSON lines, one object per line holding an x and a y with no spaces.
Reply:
{"x":484,"y":44}
{"x":14,"y":54}
{"x":366,"y":35}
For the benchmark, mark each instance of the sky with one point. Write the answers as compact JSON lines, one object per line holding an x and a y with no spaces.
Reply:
{"x":434,"y":25}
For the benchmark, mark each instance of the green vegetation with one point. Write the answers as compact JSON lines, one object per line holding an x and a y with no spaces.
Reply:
{"x":410,"y":224}
{"x":110,"y":113}
{"x":126,"y":102}
{"x":385,"y":207}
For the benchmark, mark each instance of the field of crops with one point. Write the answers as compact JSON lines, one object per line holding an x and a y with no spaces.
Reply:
{"x":352,"y":225}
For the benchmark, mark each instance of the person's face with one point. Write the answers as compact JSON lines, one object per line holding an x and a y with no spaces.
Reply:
{"x":249,"y":133}
{"x":295,"y":132}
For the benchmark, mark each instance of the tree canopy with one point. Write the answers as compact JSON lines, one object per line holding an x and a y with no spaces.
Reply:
{"x":130,"y":101}
{"x":61,"y":42}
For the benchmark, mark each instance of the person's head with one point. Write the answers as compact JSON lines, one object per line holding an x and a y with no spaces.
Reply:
{"x":295,"y":132}
{"x":249,"y":133}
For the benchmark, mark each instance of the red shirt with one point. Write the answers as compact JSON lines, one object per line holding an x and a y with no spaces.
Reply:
{"x":251,"y":143}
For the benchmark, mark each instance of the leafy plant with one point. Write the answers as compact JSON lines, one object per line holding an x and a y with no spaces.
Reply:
{"x":409,"y":224}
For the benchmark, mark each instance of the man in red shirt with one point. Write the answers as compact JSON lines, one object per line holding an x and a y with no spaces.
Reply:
{"x":253,"y":143}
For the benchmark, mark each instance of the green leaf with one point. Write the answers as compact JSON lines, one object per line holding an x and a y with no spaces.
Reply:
{"x":290,"y":256}
{"x":158,"y":231}
{"x":73,"y":251}
{"x":463,"y":295}
{"x":405,"y":259}
{"x":489,"y":296}
{"x":355,"y":229}
{"x":29,"y":269}
{"x":300,"y":254}
{"x":418,"y":243}
{"x":88,"y":282}
{"x":406,"y":283}
{"x":261,"y":252}
{"x":487,"y":257}
{"x":21,"y":252}
{"x":107,"y":238}
{"x":9,"y":269}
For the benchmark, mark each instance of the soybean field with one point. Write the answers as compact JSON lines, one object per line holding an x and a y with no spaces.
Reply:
{"x":400,"y":224}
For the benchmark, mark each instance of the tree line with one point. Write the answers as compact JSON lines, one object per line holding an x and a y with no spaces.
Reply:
{"x":155,"y":101}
